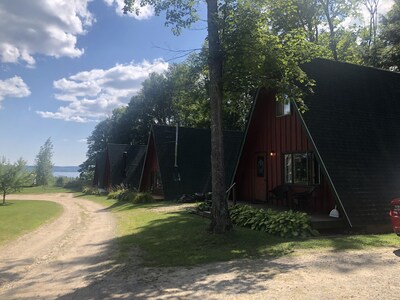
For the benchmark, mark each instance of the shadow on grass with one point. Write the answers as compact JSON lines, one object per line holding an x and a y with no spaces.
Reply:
{"x":7,"y":203}
{"x":182,"y":239}
{"x":353,"y":242}
{"x":175,"y":239}
{"x":178,"y":239}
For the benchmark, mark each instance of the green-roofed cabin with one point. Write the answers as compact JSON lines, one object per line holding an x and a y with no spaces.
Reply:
{"x":342,"y":151}
{"x":178,"y":160}
{"x":120,"y":164}
{"x":99,"y":170}
{"x":133,"y":164}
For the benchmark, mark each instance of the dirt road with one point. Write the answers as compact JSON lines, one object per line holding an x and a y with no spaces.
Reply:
{"x":70,"y":259}
{"x":61,"y":256}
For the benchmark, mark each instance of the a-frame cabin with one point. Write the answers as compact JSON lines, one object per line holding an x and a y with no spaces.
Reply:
{"x":342,"y":151}
{"x":178,"y":160}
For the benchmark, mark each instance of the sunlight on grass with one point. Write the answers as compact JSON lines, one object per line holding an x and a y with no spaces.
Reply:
{"x":22,"y":216}
{"x":43,"y":190}
{"x":177,"y":238}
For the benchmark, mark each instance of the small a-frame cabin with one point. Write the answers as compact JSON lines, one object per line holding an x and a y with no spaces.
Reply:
{"x":133,"y":160}
{"x":120,"y":164}
{"x":343,"y":151}
{"x":178,"y":160}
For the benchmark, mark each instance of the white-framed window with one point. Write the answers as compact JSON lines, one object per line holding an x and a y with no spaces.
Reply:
{"x":283,"y":107}
{"x":301,"y":168}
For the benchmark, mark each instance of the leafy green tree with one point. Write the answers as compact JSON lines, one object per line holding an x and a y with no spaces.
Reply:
{"x":334,"y":13}
{"x":12,"y":176}
{"x":390,"y":35}
{"x":371,"y":44}
{"x":257,"y":56}
{"x":322,"y":22}
{"x":152,"y":105}
{"x":190,"y":99}
{"x":298,"y":14}
{"x":44,"y":164}
{"x":97,"y":143}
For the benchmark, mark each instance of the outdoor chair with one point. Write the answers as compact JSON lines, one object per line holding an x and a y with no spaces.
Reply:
{"x":280,"y":194}
{"x":301,"y":200}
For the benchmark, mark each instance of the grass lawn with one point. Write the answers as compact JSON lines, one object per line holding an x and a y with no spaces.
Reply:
{"x":22,"y":216}
{"x":43,"y":190}
{"x":180,"y":239}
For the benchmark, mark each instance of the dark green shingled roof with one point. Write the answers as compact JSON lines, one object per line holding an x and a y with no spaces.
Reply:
{"x":194,"y":162}
{"x":117,"y":165}
{"x":98,"y":179}
{"x":134,"y":164}
{"x":354,"y":122}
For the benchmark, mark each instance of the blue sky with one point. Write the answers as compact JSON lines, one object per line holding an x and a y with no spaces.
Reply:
{"x":64,"y":65}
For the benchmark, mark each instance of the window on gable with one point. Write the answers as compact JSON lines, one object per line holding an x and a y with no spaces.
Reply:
{"x":283,"y":106}
{"x":301,"y":168}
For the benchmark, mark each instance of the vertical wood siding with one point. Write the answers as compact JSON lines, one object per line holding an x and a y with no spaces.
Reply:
{"x":150,"y":166}
{"x":268,"y":133}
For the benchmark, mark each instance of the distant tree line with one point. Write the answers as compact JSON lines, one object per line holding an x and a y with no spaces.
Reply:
{"x":261,"y":46}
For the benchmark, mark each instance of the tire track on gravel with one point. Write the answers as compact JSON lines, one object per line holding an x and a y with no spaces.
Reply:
{"x":61,"y":256}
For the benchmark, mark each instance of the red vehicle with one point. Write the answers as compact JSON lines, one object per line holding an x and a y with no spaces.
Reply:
{"x":395,"y":215}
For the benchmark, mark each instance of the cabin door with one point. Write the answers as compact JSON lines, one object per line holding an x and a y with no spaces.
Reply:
{"x":260,"y":177}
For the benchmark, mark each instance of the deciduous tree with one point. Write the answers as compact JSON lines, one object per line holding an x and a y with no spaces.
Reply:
{"x":44,"y":164}
{"x":390,"y":35}
{"x":12,"y":176}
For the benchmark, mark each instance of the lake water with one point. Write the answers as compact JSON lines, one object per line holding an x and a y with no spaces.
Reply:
{"x":66,"y":174}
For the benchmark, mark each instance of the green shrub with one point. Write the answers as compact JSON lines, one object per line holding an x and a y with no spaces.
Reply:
{"x":128,"y":196}
{"x":284,"y":224}
{"x":132,"y":196}
{"x":61,"y":181}
{"x":117,"y":192}
{"x":77,"y":184}
{"x":143,"y":198}
{"x":90,"y":190}
{"x":204,"y":206}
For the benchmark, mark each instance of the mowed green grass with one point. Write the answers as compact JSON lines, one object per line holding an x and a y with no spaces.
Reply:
{"x":168,"y":238}
{"x":21,"y":216}
{"x":43,"y":190}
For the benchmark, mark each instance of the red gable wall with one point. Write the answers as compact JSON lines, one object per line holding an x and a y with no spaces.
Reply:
{"x":150,"y":167}
{"x":278,"y":135}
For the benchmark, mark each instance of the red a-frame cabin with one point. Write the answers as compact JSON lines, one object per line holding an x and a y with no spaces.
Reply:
{"x":278,"y":154}
{"x":341,"y":152}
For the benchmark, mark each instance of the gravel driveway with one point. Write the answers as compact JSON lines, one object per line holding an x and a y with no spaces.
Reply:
{"x":70,"y":259}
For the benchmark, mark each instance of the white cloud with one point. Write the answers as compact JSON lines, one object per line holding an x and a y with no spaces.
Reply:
{"x":92,"y":95}
{"x":83,"y":141}
{"x":13,"y":87}
{"x":46,"y":27}
{"x":145,"y":12}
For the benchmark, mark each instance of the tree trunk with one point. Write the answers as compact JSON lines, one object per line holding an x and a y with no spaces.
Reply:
{"x":220,"y":220}
{"x":4,"y":198}
{"x":332,"y":35}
